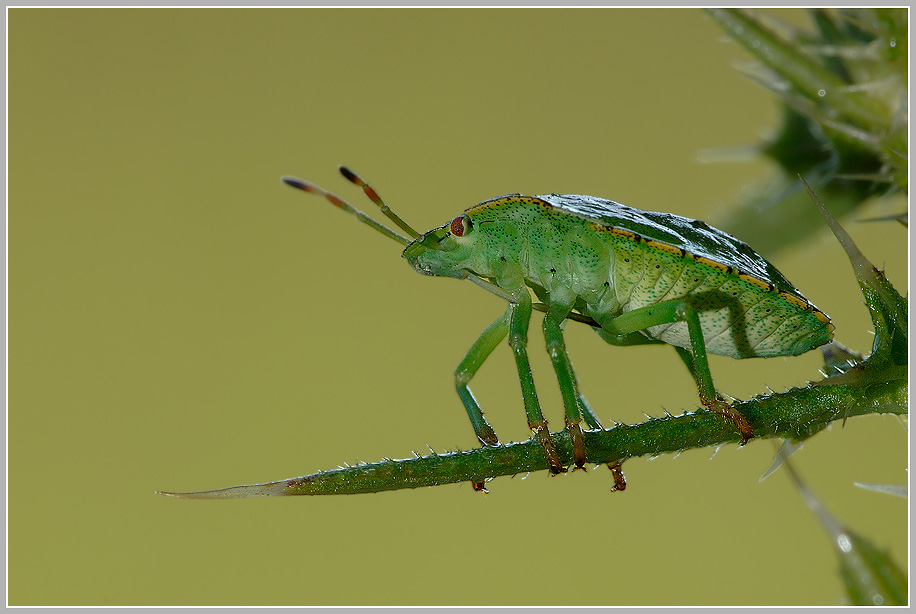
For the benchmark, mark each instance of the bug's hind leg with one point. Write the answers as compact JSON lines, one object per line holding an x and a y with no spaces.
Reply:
{"x":710,"y":397}
{"x":479,"y":352}
{"x":569,"y":387}
{"x":680,"y":310}
{"x":519,"y":319}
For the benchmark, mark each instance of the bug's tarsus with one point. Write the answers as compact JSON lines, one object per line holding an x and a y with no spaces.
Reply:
{"x":578,"y":443}
{"x":725,"y":409}
{"x":553,"y":459}
{"x":620,"y":482}
{"x":374,"y":197}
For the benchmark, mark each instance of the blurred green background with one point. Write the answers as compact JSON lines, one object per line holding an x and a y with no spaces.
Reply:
{"x":180,"y":320}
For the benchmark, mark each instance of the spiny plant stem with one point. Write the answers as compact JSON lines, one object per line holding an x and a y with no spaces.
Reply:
{"x":796,"y":414}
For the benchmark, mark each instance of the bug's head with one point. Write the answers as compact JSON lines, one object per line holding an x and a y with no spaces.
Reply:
{"x":445,"y":251}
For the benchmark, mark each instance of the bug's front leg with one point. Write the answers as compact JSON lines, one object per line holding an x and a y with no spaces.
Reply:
{"x":479,"y":352}
{"x":566,"y":378}
{"x":519,"y":319}
{"x":680,"y":310}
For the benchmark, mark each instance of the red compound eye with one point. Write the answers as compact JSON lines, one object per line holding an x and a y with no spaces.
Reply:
{"x":460,"y":225}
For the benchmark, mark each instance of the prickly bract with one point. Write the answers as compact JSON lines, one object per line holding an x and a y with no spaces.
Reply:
{"x":611,"y":259}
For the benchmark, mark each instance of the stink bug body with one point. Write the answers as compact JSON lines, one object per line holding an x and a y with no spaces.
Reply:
{"x":637,"y":276}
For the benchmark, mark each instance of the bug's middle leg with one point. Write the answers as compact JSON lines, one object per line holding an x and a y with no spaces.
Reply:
{"x":566,"y":378}
{"x":519,"y":319}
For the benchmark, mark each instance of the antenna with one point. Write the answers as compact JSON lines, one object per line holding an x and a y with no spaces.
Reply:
{"x":337,"y":201}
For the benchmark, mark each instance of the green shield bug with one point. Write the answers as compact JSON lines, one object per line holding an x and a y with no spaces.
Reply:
{"x":636,"y":276}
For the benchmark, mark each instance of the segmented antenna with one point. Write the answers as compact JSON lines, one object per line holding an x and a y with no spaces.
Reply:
{"x":340,"y":203}
{"x":337,"y":201}
{"x":374,"y":197}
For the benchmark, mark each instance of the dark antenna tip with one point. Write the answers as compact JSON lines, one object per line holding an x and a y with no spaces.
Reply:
{"x":340,"y":203}
{"x":349,"y":175}
{"x":296,"y":183}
